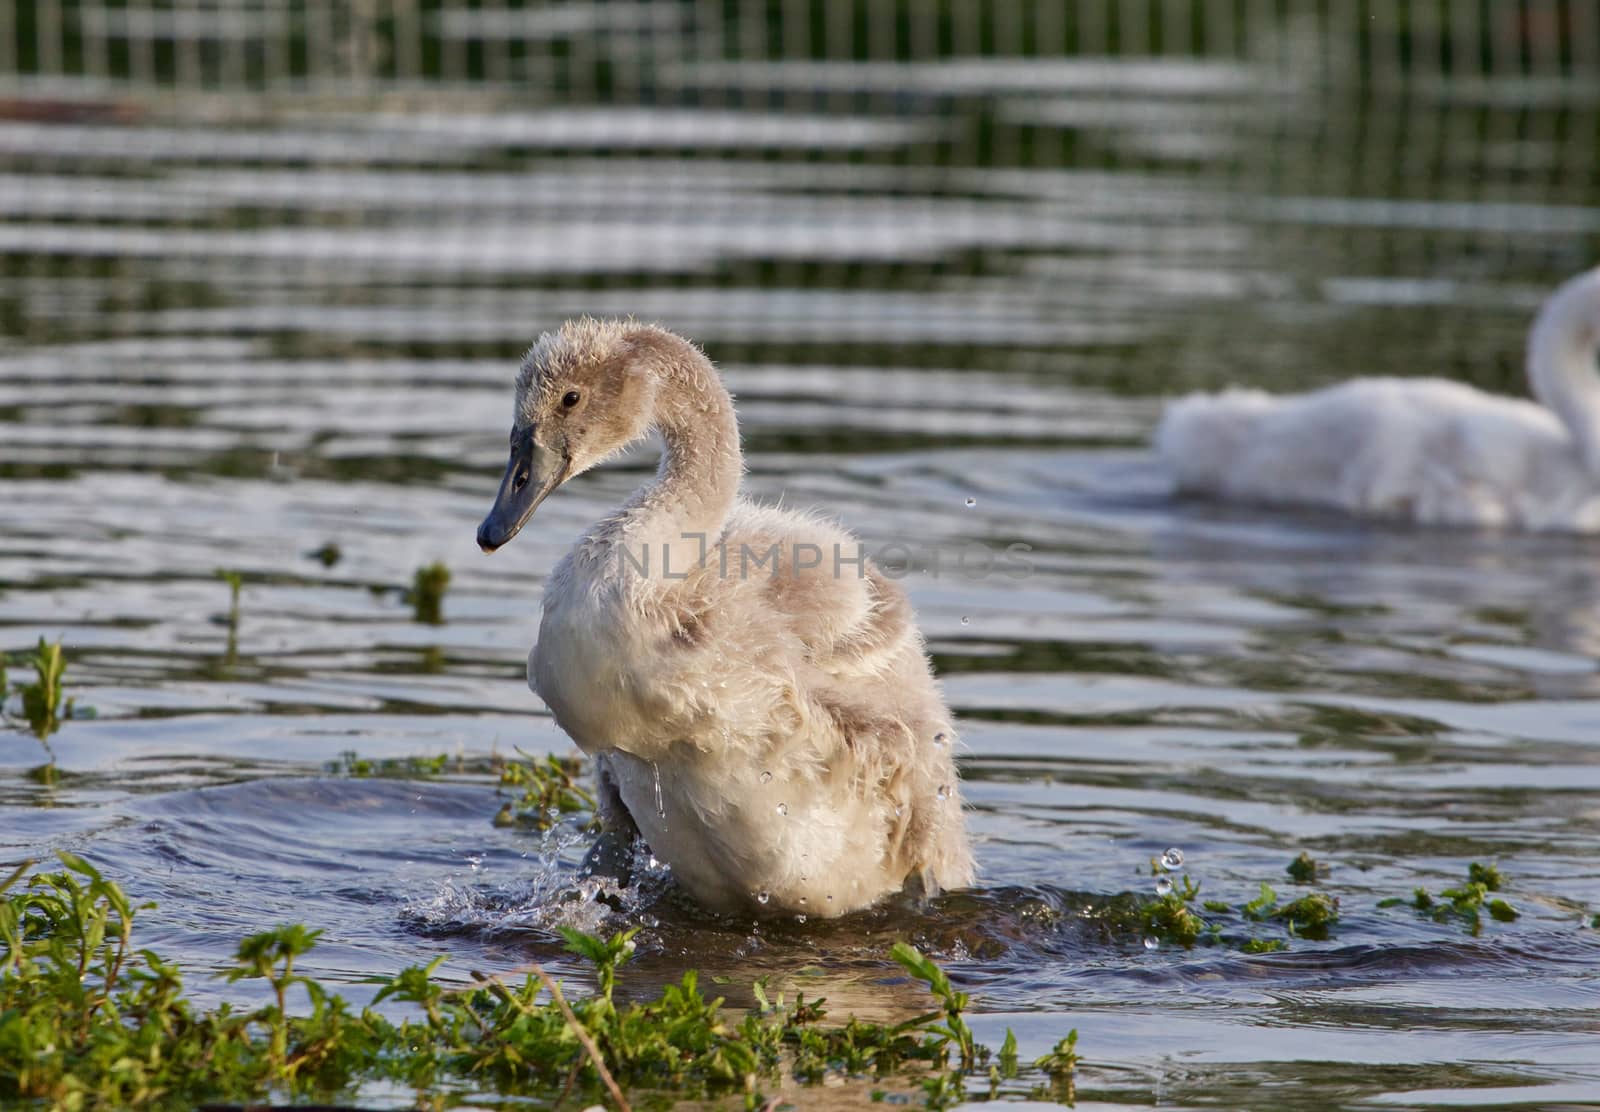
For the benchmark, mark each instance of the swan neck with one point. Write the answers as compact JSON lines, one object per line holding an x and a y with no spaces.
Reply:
{"x":1562,"y":350}
{"x":682,"y":512}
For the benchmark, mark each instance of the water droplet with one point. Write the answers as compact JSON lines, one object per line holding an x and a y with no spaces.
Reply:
{"x":766,"y":777}
{"x":1151,"y":942}
{"x":783,"y":808}
{"x":763,"y":896}
{"x":943,"y":792}
{"x":1163,"y":887}
{"x":661,"y":803}
{"x":799,"y":918}
{"x":965,"y":620}
{"x":899,"y":810}
{"x":1172,"y":859}
{"x":941,"y":738}
{"x":972,"y":501}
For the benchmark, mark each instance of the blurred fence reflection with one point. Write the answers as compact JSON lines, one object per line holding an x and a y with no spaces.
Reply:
{"x":623,"y":50}
{"x":1012,"y":177}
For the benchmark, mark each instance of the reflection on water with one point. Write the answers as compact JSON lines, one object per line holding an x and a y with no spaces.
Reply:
{"x":949,"y":296}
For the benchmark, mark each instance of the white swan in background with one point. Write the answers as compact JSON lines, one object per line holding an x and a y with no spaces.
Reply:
{"x":761,"y":712}
{"x":1424,"y":450}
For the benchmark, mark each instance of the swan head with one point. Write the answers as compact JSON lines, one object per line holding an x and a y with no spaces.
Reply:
{"x":584,"y":392}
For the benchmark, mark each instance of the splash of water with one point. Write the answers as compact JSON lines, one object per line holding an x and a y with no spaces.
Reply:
{"x":552,"y":893}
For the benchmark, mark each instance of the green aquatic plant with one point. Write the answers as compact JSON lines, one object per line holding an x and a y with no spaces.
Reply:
{"x":547,"y":787}
{"x":1310,"y":916}
{"x":43,"y":703}
{"x":1304,"y":869}
{"x":550,"y":789}
{"x":270,"y":956}
{"x":328,"y":555}
{"x":1170,"y":917}
{"x":235,"y":582}
{"x":1467,"y":903}
{"x":955,"y":1030}
{"x":1263,"y":945}
{"x":427,"y":593}
{"x":89,"y":1019}
{"x":1006,"y":1061}
{"x":1261,"y":907}
{"x":353,"y":764}
{"x":1486,"y":875}
{"x":1061,"y":1066}
{"x":1062,"y":1061}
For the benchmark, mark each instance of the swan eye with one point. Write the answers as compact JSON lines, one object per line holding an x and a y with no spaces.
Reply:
{"x":571,"y":399}
{"x":520,"y":480}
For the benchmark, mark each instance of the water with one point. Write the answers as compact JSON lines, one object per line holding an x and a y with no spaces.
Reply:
{"x":303,"y":331}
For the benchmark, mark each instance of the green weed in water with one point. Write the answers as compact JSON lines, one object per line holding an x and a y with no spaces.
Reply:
{"x":1466,"y":903}
{"x":1261,"y":907}
{"x":89,"y":1019}
{"x":955,"y":1030}
{"x":549,"y":790}
{"x":427,"y":593}
{"x":42,"y":702}
{"x":351,"y":763}
{"x":1263,"y":946}
{"x":1063,"y":1059}
{"x":1061,"y":1064}
{"x":1007,"y":1064}
{"x":44,"y":705}
{"x":1310,"y":916}
{"x":547,"y":786}
{"x":1486,"y":875}
{"x":1170,"y":918}
{"x":328,"y":555}
{"x":1303,"y":869}
{"x":235,"y":582}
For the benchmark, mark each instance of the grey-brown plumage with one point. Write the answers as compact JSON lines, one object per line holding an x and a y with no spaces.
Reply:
{"x":756,"y":695}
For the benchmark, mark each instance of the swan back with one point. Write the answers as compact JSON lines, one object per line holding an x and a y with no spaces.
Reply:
{"x":1204,"y":436}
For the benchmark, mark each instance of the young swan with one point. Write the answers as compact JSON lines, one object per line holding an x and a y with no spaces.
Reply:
{"x":1424,"y":450}
{"x":754,"y":693}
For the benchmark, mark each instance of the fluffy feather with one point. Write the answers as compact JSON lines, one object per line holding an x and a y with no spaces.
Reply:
{"x":772,"y":729}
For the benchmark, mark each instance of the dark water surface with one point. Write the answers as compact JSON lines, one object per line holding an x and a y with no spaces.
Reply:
{"x":229,"y":342}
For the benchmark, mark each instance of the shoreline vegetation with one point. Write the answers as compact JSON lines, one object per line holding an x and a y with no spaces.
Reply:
{"x":89,"y":1019}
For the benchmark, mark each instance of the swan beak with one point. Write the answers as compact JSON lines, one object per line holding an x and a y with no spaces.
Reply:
{"x":530,"y":477}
